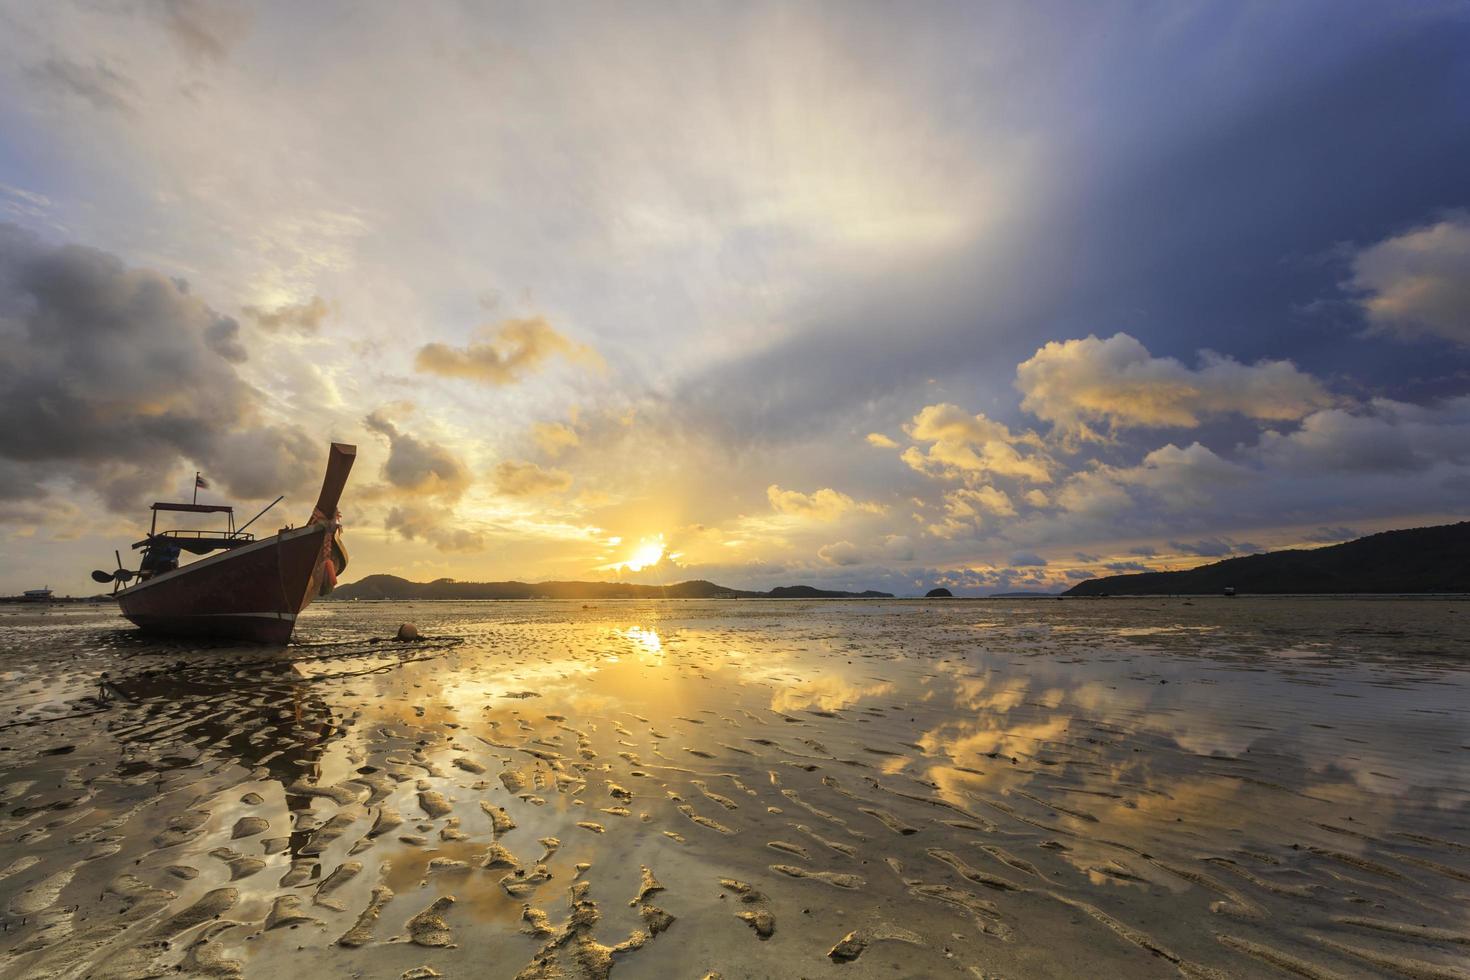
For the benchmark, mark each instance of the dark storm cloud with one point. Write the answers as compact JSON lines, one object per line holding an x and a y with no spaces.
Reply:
{"x":223,"y":337}
{"x":417,"y":466}
{"x":17,"y":482}
{"x":1122,"y":566}
{"x":1206,"y":548}
{"x":111,"y":376}
{"x":1333,"y":535}
{"x":103,"y":87}
{"x":264,"y":461}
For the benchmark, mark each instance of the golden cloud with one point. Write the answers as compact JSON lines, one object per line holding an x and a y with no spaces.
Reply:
{"x":972,"y":444}
{"x":823,"y":505}
{"x":982,"y":500}
{"x":504,"y":353}
{"x":554,"y":437}
{"x":1419,"y":281}
{"x":1076,"y":384}
{"x":520,"y":478}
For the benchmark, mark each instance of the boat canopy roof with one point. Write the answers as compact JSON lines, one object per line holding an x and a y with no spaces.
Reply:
{"x":196,"y":542}
{"x":195,"y":508}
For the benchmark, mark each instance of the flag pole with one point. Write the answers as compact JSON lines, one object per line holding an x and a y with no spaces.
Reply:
{"x":196,"y":486}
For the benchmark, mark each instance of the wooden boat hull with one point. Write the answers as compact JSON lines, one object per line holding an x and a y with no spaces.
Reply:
{"x":252,"y":593}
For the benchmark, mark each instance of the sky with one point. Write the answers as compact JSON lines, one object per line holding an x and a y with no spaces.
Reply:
{"x":990,"y":296}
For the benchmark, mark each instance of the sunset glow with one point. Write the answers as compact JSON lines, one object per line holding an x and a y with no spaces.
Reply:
{"x":854,"y":296}
{"x":648,"y":553}
{"x":742,"y":489}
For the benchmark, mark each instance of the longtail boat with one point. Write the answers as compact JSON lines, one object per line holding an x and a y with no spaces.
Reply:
{"x":243,"y":588}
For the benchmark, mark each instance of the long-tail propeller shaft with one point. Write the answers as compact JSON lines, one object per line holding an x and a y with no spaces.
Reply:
{"x":117,"y":578}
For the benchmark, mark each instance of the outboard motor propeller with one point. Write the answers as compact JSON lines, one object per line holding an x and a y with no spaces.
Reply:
{"x":117,"y":578}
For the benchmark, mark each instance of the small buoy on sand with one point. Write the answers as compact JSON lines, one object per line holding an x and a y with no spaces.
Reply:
{"x":407,"y":632}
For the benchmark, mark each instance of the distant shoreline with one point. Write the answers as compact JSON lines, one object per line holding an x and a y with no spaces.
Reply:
{"x":8,"y":602}
{"x":918,"y":598}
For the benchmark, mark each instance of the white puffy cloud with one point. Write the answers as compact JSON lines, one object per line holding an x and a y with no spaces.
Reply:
{"x":881,"y":441}
{"x":1094,"y":492}
{"x":1185,"y":477}
{"x":840,"y":553}
{"x":822,"y":505}
{"x":1174,"y":477}
{"x":966,"y":508}
{"x":1078,"y":384}
{"x":1419,"y":282}
{"x":1383,"y":436}
{"x":965,"y":502}
{"x":1382,"y":461}
{"x":962,"y":444}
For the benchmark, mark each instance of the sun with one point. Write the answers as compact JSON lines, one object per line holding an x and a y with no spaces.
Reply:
{"x":650,"y":551}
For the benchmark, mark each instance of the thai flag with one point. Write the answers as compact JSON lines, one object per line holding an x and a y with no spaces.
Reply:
{"x":200,"y":483}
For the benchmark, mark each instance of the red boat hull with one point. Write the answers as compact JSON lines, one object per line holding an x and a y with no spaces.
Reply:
{"x":251,"y":593}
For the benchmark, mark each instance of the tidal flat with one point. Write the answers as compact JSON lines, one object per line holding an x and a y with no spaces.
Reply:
{"x":1128,"y":787}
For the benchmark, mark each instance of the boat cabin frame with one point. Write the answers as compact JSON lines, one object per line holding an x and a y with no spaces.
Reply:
{"x":195,"y":541}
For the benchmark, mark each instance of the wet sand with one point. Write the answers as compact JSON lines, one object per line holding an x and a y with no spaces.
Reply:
{"x":1131,"y":788}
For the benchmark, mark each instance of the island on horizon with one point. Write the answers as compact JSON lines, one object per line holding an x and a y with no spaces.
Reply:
{"x":393,"y":587}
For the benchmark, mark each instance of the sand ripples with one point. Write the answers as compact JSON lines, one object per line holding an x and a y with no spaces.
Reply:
{"x":1131,"y":788}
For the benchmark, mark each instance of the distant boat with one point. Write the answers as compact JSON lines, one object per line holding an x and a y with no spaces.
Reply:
{"x":1230,"y":591}
{"x":245,"y":588}
{"x":37,"y":595}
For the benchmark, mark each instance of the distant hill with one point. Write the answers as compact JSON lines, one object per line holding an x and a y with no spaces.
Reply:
{"x":393,"y":587}
{"x":1422,"y":559}
{"x":808,"y":592}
